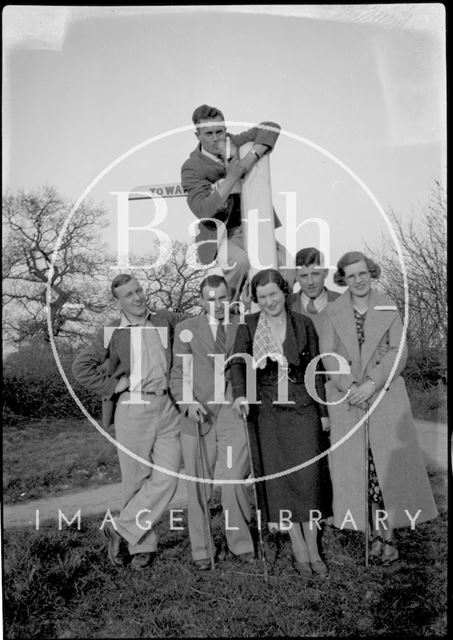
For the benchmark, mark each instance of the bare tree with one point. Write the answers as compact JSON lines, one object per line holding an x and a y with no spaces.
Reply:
{"x":32,"y":223}
{"x":174,"y":285}
{"x":424,"y":248}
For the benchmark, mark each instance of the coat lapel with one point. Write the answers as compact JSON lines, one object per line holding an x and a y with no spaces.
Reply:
{"x":294,"y":303}
{"x":205,"y":337}
{"x":159,"y":320}
{"x":377,"y":322}
{"x":332,"y":295}
{"x":341,"y":314}
{"x":292,"y":342}
{"x":231,"y":331}
{"x":212,"y":169}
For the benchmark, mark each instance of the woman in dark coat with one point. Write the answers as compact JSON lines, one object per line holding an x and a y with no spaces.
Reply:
{"x":284,"y":435}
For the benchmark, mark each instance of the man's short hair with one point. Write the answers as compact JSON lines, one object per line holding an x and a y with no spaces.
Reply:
{"x":205,"y":112}
{"x":308,"y":256}
{"x":212,"y":281}
{"x":119,"y":280}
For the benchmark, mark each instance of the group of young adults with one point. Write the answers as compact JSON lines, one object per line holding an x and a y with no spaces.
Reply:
{"x":158,"y":374}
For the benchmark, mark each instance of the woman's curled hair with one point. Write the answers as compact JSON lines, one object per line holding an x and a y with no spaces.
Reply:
{"x":351,"y":257}
{"x":266,"y":276}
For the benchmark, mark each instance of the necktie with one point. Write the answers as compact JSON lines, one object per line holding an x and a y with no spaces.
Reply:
{"x":220,"y":339}
{"x":311,"y":306}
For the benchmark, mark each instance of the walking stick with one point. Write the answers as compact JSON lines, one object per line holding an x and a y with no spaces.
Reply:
{"x":367,"y":496}
{"x":255,"y":495}
{"x":204,"y":494}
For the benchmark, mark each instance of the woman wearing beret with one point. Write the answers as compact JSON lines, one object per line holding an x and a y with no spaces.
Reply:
{"x":363,"y":330}
{"x":284,"y":434}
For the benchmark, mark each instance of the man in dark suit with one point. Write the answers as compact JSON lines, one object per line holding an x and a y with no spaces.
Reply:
{"x":222,"y":433}
{"x":145,"y":417}
{"x":211,"y":176}
{"x":313,"y":296}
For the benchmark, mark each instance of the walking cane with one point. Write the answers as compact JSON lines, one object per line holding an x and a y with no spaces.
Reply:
{"x":367,"y":497}
{"x":204,"y":494}
{"x":255,"y":495}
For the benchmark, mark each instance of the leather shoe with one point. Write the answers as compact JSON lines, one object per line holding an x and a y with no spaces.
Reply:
{"x":303,"y":568}
{"x":248,"y":557}
{"x":204,"y":564}
{"x":142,"y":560}
{"x":377,"y":545}
{"x":319,"y":567}
{"x":391,"y":556}
{"x":221,"y":553}
{"x":113,"y":539}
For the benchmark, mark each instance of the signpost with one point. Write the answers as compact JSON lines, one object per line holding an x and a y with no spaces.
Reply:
{"x":257,"y":201}
{"x":170,"y":190}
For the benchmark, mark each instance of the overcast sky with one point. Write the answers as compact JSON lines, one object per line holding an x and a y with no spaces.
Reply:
{"x":361,"y":84}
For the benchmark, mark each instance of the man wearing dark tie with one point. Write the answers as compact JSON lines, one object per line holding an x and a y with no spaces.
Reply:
{"x":313,"y":296}
{"x":196,"y":372}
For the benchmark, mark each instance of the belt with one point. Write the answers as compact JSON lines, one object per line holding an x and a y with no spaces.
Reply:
{"x":159,"y":392}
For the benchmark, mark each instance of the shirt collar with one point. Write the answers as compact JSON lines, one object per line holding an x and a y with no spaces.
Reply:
{"x":125,"y":322}
{"x":211,"y":156}
{"x":319,"y":302}
{"x":211,"y":320}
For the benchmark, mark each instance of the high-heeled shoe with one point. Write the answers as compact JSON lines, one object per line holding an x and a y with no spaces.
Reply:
{"x":392,"y":556}
{"x":377,"y":545}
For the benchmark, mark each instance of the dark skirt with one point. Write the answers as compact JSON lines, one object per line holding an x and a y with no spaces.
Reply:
{"x":283,"y":437}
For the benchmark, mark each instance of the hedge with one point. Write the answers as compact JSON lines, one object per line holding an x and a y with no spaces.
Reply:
{"x":34,"y":388}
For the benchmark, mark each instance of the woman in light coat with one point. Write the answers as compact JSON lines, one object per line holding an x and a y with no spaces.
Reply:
{"x":364,"y":328}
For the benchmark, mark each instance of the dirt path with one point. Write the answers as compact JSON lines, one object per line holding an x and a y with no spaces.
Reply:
{"x":434,"y":443}
{"x":433,"y":439}
{"x":91,"y":501}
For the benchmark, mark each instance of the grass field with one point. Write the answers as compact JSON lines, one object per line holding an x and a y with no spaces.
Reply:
{"x":59,"y":584}
{"x":43,"y":458}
